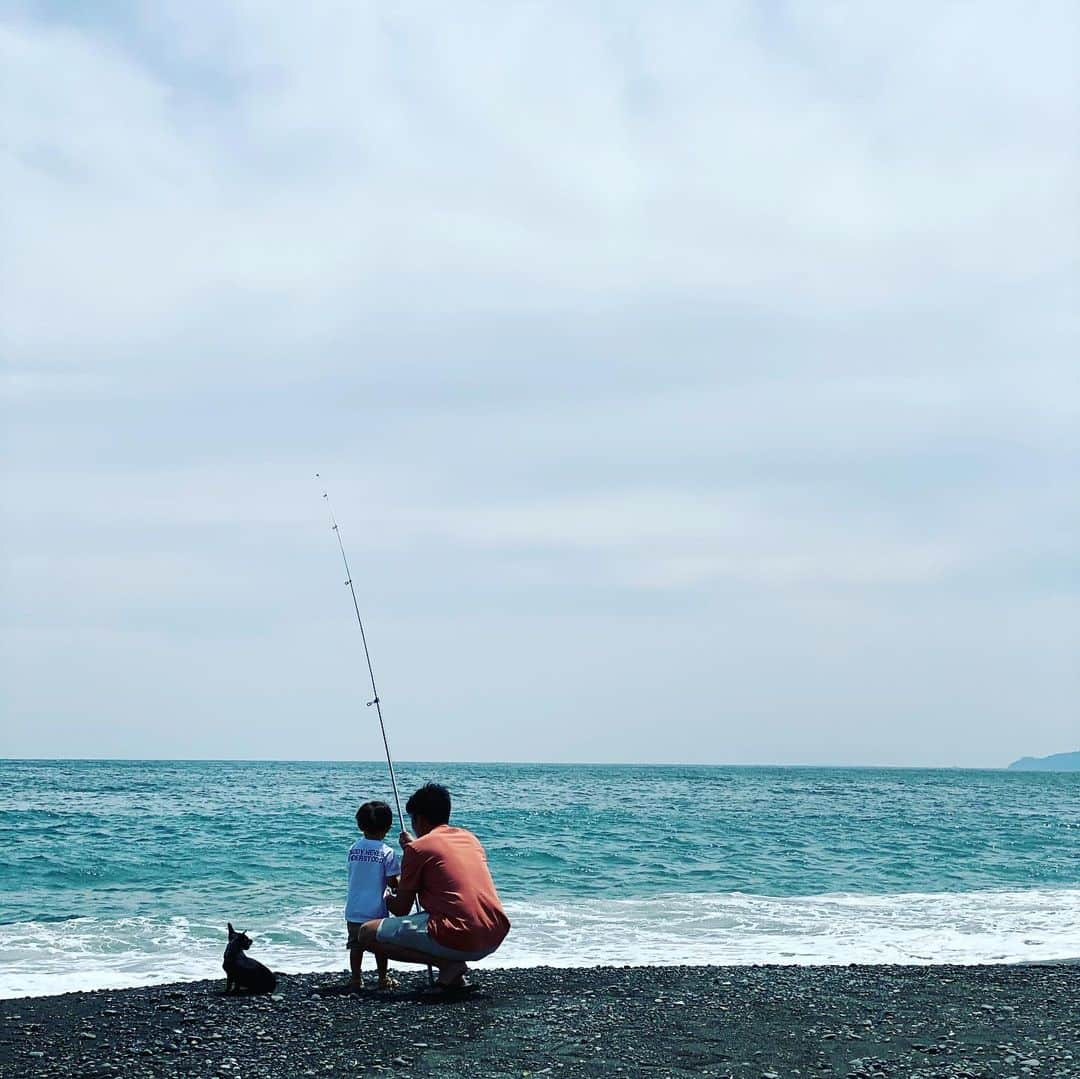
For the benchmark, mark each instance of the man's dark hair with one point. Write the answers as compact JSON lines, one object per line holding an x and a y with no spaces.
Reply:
{"x":374,"y":817}
{"x":432,"y":800}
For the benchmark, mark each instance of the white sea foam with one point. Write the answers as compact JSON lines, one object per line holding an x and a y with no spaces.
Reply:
{"x":39,"y":958}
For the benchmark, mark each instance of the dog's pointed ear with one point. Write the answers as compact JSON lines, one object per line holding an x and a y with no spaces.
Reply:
{"x":232,"y":932}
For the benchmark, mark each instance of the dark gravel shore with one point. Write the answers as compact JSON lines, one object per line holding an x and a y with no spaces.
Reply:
{"x":750,"y":1022}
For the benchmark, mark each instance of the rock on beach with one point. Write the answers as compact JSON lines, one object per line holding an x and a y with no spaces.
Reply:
{"x":767,"y":1022}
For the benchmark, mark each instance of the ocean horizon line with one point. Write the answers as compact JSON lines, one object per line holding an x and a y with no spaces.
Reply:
{"x":511,"y":764}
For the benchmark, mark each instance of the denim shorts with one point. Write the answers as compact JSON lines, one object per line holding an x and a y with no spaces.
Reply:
{"x":411,"y":931}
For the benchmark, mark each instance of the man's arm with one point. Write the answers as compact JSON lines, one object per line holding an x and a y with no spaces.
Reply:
{"x":408,"y":882}
{"x":400,"y":904}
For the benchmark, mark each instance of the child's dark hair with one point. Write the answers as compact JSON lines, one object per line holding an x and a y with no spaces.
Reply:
{"x":432,"y":800}
{"x":374,"y":817}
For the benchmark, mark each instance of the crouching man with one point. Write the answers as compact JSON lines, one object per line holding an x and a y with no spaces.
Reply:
{"x":446,"y":869}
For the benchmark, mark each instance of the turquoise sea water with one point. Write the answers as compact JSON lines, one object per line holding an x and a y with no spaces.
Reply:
{"x":125,"y":872}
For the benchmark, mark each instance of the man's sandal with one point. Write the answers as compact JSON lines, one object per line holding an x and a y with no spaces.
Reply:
{"x":454,"y":990}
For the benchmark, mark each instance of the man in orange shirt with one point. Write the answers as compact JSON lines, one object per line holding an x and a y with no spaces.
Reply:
{"x":446,"y":869}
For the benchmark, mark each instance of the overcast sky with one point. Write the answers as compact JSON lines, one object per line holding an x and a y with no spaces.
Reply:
{"x":692,"y":382}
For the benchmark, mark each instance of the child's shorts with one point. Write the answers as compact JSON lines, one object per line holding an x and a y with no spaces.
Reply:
{"x":354,"y":931}
{"x":411,"y":932}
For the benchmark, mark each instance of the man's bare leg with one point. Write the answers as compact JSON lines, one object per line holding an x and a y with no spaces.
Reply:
{"x":453,"y":973}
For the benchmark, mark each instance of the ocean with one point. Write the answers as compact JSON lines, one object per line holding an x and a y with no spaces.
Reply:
{"x":124,"y":873}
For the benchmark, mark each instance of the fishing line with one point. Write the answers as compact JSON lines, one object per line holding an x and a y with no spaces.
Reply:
{"x":367,"y":656}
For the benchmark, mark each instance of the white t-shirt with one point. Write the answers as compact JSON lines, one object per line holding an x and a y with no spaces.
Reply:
{"x":371,"y":861}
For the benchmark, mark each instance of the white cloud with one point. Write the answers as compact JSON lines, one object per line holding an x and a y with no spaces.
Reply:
{"x":358,"y":159}
{"x":583,"y":311}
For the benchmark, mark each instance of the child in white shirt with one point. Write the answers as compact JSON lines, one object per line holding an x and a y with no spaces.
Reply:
{"x":373,"y":867}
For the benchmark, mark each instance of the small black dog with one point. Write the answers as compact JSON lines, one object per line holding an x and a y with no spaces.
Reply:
{"x":242,"y":972}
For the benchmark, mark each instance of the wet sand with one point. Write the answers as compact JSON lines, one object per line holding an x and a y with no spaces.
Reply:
{"x":754,"y":1022}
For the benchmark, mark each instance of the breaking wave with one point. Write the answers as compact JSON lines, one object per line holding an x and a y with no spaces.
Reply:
{"x":46,"y":957}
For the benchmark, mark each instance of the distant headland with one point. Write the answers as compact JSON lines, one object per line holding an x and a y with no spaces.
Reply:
{"x":1056,"y":762}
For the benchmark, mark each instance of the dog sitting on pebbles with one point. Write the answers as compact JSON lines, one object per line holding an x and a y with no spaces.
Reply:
{"x":242,"y":972}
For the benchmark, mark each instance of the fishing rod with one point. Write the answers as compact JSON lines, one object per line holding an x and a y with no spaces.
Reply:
{"x":371,"y":674}
{"x":367,"y":655}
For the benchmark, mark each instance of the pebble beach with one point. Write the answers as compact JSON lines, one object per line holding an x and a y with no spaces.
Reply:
{"x":765,"y":1022}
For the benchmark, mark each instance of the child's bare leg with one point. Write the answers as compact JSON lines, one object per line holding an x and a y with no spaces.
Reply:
{"x":385,"y":980}
{"x":356,"y":958}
